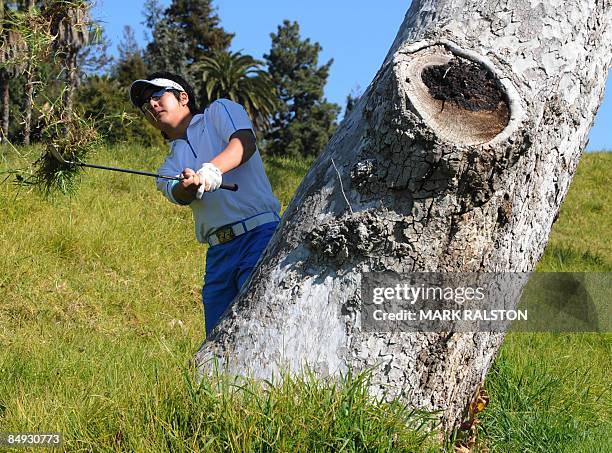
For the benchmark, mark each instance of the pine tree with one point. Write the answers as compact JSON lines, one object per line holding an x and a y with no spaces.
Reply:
{"x":305,"y":120}
{"x":94,"y":58}
{"x":181,"y":35}
{"x":130,"y":64}
{"x":167,"y":49}
{"x":128,"y":45}
{"x":198,"y":22}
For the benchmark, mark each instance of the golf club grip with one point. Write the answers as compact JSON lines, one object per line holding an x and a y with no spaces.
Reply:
{"x":232,"y":187}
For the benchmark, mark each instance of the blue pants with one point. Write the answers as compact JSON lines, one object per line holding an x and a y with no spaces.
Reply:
{"x":228,"y":267}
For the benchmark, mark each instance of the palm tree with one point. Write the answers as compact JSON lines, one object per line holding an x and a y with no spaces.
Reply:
{"x":241,"y":79}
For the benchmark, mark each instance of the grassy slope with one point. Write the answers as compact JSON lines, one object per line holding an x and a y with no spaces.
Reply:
{"x":100,"y":310}
{"x":551,"y":392}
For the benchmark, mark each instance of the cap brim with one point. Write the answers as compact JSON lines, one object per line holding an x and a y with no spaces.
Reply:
{"x":140,"y":87}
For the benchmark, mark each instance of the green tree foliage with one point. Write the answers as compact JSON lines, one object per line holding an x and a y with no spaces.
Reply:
{"x":72,"y":28}
{"x":240,"y":78}
{"x":104,"y":100}
{"x":305,"y":121}
{"x":130,"y":64}
{"x":10,"y":43}
{"x":198,"y":23}
{"x":181,"y":35}
{"x":167,"y":49}
{"x":94,"y":58}
{"x":29,"y":46}
{"x":128,"y":45}
{"x":101,"y":88}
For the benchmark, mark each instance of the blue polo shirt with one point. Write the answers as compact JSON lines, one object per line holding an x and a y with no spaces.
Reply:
{"x":207,"y":135}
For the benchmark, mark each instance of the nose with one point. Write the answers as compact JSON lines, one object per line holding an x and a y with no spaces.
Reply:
{"x":150,"y":105}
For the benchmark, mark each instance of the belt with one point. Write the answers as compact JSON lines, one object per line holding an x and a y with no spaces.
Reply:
{"x":228,"y":232}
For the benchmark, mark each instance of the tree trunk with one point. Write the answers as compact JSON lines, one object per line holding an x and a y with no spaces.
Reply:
{"x":412,"y":183}
{"x":73,"y":80}
{"x":6,"y":102}
{"x":4,"y":84}
{"x":27,"y":111}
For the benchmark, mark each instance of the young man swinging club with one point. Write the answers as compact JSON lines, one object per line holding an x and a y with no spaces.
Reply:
{"x":206,"y":148}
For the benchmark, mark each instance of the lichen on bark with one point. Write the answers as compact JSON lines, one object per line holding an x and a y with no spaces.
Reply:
{"x":421,"y":192}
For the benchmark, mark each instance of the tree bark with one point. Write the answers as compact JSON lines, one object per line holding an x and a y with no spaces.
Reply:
{"x":4,"y":81}
{"x":6,"y":102}
{"x":73,"y":81}
{"x":27,"y":111}
{"x":416,"y":184}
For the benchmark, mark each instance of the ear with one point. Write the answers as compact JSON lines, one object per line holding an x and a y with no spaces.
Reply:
{"x":184,"y":98}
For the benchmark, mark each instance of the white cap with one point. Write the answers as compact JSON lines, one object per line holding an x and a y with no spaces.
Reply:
{"x":139,"y":88}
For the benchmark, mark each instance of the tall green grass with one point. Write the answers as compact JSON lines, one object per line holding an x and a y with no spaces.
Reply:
{"x":100,"y":312}
{"x":551,"y":392}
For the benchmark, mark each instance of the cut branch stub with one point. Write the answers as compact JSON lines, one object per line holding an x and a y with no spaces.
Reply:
{"x":460,"y":99}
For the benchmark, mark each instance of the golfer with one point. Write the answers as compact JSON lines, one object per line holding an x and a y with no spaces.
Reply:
{"x":206,"y":148}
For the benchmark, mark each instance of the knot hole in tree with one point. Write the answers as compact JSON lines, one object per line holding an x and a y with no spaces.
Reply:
{"x":462,"y":100}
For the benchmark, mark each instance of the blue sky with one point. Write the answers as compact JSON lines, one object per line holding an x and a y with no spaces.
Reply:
{"x":354,"y":33}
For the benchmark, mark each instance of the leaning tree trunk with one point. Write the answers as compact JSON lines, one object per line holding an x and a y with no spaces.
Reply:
{"x":465,"y":177}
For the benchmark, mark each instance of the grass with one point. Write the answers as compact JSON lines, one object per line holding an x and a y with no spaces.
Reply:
{"x":100,"y":311}
{"x":551,"y":392}
{"x":578,"y":239}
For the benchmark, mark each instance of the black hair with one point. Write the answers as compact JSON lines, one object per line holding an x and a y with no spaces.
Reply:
{"x":193,"y":108}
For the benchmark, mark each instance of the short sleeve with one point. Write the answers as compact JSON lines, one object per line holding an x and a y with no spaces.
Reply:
{"x":229,"y":117}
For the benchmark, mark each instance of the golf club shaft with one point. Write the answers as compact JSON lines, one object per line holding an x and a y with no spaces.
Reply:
{"x":134,"y":172}
{"x":232,"y":187}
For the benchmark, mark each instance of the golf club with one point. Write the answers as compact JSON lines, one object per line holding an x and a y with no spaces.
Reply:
{"x":55,"y":152}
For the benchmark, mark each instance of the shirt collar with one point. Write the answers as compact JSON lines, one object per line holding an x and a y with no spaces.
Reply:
{"x":195,"y":119}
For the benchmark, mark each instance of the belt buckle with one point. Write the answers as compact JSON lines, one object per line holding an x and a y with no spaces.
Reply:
{"x":225,"y":235}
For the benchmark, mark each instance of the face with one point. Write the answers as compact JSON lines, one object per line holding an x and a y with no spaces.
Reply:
{"x":163,"y":110}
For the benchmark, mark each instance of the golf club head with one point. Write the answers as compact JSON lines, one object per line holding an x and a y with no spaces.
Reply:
{"x":55,"y":153}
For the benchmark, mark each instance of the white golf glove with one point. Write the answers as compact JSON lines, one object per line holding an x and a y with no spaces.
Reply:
{"x":210,"y":179}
